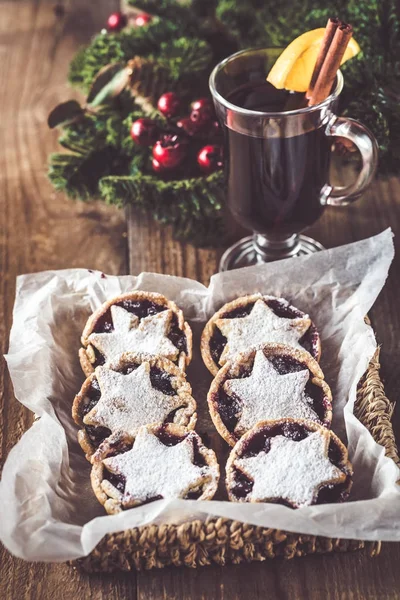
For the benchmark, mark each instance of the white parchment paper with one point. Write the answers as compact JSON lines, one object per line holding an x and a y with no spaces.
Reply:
{"x":48,"y":511}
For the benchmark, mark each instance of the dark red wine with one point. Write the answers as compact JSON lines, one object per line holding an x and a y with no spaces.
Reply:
{"x":275,"y":182}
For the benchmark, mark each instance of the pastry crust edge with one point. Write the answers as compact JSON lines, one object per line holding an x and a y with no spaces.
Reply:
{"x":183,"y":359}
{"x":113,"y":505}
{"x":311,"y":426}
{"x":183,"y":389}
{"x":231,"y":368}
{"x":209,"y":328}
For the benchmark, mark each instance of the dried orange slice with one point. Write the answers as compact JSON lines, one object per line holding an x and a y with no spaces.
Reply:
{"x":294,"y":67}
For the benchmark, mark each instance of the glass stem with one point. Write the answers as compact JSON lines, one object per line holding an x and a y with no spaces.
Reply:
{"x":267,"y":246}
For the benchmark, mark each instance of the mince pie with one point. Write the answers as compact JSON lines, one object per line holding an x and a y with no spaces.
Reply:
{"x":274,"y":382}
{"x":140,"y":322}
{"x":251,"y":322}
{"x":292,"y":462}
{"x":163,"y":461}
{"x":141,"y":390}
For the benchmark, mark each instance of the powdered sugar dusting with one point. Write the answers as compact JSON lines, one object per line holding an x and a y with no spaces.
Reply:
{"x":129,"y":401}
{"x":266,"y":394}
{"x":152,"y":469}
{"x":148,"y":335}
{"x":259,"y":327}
{"x":291,"y":470}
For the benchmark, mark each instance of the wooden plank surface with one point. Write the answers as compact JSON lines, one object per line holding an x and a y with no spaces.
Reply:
{"x":42,"y":230}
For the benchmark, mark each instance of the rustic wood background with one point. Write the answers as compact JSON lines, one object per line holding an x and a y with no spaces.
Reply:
{"x":43,"y":230}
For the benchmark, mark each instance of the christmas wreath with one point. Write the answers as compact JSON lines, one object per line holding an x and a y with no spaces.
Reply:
{"x":147,"y":135}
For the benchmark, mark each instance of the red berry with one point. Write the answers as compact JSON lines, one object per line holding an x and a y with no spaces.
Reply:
{"x":116,"y":21}
{"x":170,"y":151}
{"x":169,"y":104}
{"x":142,"y":19}
{"x":156,"y":166}
{"x":144,"y":132}
{"x":209,"y":159}
{"x":202,"y":112}
{"x":188,"y":126}
{"x":201,"y":118}
{"x":202,"y":103}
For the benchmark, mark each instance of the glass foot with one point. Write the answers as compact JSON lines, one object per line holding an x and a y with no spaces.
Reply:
{"x":252,"y":250}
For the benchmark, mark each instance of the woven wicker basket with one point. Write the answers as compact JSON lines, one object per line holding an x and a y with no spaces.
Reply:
{"x":222,"y":541}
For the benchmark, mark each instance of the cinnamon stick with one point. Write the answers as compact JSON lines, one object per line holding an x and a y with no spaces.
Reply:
{"x":330,"y":31}
{"x":331,"y":63}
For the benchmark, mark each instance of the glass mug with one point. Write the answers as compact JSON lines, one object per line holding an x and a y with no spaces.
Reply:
{"x":277,"y":163}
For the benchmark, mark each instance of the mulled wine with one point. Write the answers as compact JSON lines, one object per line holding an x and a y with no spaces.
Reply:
{"x":275,"y":182}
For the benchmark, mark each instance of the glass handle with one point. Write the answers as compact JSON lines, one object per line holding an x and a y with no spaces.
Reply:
{"x":368,"y":147}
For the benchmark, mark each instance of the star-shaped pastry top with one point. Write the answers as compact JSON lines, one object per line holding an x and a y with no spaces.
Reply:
{"x":129,"y":401}
{"x":259,"y":327}
{"x":152,"y":469}
{"x":266,"y":394}
{"x":291,"y":470}
{"x":148,"y":335}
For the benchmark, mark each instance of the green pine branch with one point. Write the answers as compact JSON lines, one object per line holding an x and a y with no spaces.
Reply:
{"x":186,"y":12}
{"x":120,"y":47}
{"x":192,"y":206}
{"x":166,"y":9}
{"x":176,"y":51}
{"x":78,"y":175}
{"x":184,"y":56}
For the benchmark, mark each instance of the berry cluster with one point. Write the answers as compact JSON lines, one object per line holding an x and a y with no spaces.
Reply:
{"x":181,"y":142}
{"x":118,"y":20}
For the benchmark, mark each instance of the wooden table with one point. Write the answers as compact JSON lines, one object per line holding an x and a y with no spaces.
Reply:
{"x":42,"y":230}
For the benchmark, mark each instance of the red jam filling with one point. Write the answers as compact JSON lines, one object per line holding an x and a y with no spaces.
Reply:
{"x":116,"y":480}
{"x":142,"y":309}
{"x":261,"y":442}
{"x":229,"y":410}
{"x":160,"y":380}
{"x":96,"y":434}
{"x":229,"y":407}
{"x":169,"y":439}
{"x":309,"y":341}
